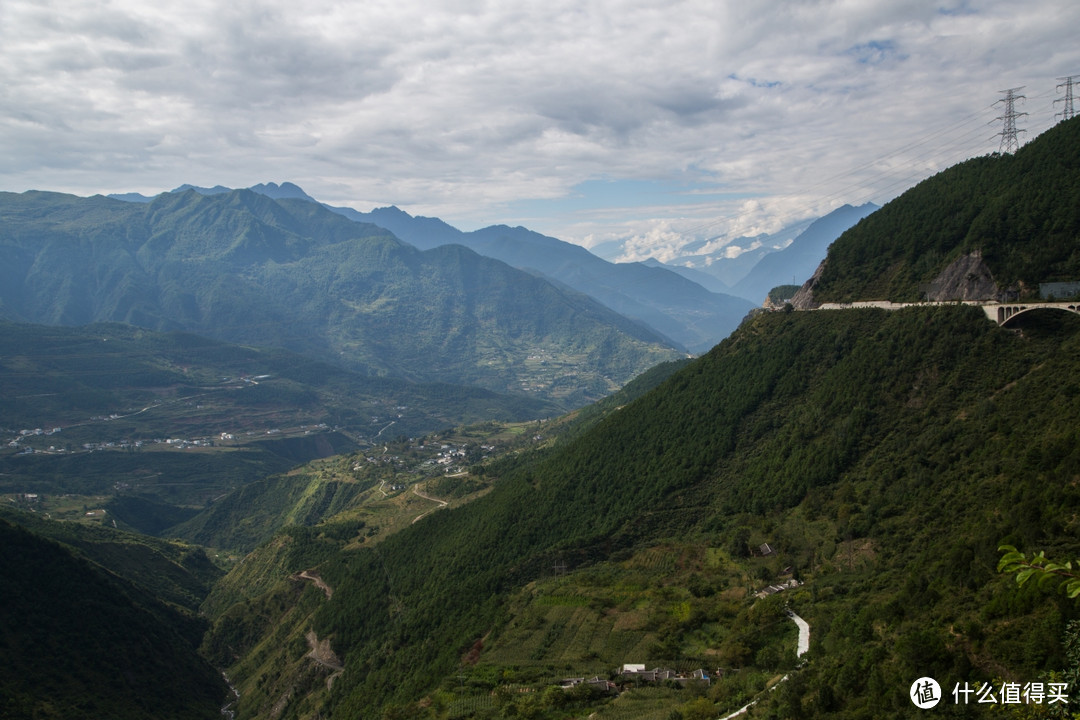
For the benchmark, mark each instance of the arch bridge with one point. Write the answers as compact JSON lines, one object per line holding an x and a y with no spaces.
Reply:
{"x":1001,"y":313}
{"x":1005,"y":312}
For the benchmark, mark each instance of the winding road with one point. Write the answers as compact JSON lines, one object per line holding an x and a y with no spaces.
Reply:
{"x":442,"y":503}
{"x":800,"y":650}
{"x":804,"y":634}
{"x":319,"y":582}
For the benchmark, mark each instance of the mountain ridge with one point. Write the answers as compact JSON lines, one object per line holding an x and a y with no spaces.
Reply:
{"x":674,"y":306}
{"x":243,"y":267}
{"x":1016,"y":211}
{"x":689,"y":315}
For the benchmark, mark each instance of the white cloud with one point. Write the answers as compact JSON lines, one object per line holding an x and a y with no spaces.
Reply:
{"x":460,"y":109}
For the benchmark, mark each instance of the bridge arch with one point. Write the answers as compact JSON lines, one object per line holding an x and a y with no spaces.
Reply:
{"x":1007,"y":312}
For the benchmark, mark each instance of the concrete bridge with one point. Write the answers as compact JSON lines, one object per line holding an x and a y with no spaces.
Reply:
{"x":1001,"y":313}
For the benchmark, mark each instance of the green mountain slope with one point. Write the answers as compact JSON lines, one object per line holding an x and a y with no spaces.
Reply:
{"x":242,"y":267}
{"x":1019,"y":211}
{"x":76,"y":642}
{"x":180,"y":575}
{"x":351,"y":489}
{"x":885,"y":454}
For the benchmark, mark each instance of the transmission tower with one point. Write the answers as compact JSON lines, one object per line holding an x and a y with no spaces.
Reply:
{"x":1009,"y":143}
{"x":1067,"y":109}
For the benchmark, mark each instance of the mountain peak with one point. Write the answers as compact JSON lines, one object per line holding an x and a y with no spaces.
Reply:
{"x":216,"y":190}
{"x":285,"y":190}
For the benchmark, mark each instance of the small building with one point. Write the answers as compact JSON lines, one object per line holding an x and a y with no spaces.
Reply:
{"x":596,"y":682}
{"x":640,"y":674}
{"x":773,"y":589}
{"x":1059,"y":290}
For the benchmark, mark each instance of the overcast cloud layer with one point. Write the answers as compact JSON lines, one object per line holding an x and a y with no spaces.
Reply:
{"x":654,"y":121}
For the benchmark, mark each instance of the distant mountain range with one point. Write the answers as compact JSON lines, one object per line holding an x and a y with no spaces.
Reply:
{"x":284,"y":191}
{"x":680,"y":309}
{"x":683,"y":311}
{"x":242,"y":267}
{"x":695,"y":301}
{"x":797,"y":262}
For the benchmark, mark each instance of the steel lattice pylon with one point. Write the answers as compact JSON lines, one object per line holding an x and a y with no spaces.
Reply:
{"x":1067,"y":109}
{"x":1009,"y":142}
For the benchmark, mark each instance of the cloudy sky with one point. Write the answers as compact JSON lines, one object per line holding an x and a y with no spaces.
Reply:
{"x":652,"y":122}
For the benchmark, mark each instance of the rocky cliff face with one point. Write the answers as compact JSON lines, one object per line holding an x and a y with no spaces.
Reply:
{"x":803,"y":299}
{"x":967,"y":278}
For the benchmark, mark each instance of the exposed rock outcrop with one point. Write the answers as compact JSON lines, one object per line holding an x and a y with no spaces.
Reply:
{"x":803,"y":299}
{"x":967,"y":278}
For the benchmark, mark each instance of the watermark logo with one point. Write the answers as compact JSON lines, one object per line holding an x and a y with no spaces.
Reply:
{"x":925,"y":693}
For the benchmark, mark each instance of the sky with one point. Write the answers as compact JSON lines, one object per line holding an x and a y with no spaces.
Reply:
{"x":651,"y":123}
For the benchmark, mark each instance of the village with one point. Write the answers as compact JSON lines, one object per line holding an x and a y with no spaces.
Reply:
{"x":29,"y":442}
{"x":634,"y":674}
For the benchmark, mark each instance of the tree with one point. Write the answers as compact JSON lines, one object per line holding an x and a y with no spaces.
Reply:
{"x":1042,"y":568}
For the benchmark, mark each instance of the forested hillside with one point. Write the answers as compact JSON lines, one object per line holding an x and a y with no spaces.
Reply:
{"x":1020,"y":211}
{"x":77,"y":642}
{"x":884,"y":455}
{"x":245,"y":268}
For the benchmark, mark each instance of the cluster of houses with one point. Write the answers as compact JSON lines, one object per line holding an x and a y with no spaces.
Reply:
{"x":780,"y":587}
{"x":36,"y":432}
{"x":765,"y":550}
{"x":632,"y":673}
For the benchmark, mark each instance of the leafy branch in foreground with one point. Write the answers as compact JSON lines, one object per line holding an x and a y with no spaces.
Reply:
{"x":1045,"y":570}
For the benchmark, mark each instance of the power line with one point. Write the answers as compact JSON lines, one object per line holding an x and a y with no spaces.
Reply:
{"x":1009,"y":143}
{"x":910,"y":162}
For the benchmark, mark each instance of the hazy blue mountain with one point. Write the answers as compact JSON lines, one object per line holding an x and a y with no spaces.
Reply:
{"x":285,"y":190}
{"x":797,"y":262}
{"x":242,"y":267}
{"x":272,"y":190}
{"x":656,"y":296}
{"x":704,"y":279}
{"x":735,"y":259}
{"x":130,"y":197}
{"x":674,"y":306}
{"x":423,"y":232}
{"x":216,"y":190}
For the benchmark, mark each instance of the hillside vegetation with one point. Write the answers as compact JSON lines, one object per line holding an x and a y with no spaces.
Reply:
{"x":77,"y":642}
{"x":885,"y":455}
{"x":143,"y":384}
{"x":870,"y":462}
{"x":878,"y":458}
{"x":1020,"y":211}
{"x":149,"y":428}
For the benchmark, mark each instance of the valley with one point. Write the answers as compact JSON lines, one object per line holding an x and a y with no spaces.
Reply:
{"x":800,"y":522}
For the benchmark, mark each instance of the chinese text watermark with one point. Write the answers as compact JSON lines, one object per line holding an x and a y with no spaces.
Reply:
{"x":926,"y":693}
